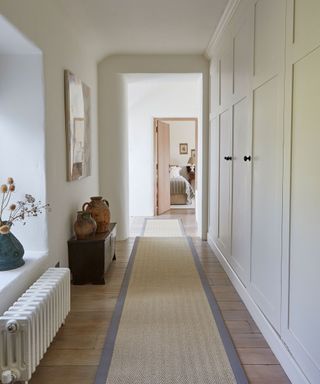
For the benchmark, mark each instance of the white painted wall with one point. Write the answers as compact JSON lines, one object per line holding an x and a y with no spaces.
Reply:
{"x":181,"y":132}
{"x":47,"y":27}
{"x":154,"y":96}
{"x":113,"y":146}
{"x":22,"y":144}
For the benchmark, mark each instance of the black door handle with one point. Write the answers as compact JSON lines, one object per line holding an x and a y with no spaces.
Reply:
{"x":247,"y":158}
{"x":228,"y":158}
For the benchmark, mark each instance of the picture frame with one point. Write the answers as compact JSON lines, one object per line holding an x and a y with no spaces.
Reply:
{"x":78,"y":129}
{"x":183,"y":148}
{"x":193,"y":153}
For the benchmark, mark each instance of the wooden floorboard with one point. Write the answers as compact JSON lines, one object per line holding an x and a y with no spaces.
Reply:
{"x":74,"y":354}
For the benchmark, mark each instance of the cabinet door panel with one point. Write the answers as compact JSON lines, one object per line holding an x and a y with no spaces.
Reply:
{"x":269,"y":38}
{"x":214,"y":86}
{"x":225,"y":134}
{"x":241,"y":195}
{"x":242,"y":60}
{"x":213,"y":172}
{"x":306,"y":24}
{"x":304,"y":305}
{"x":267,"y":199}
{"x":226,"y":73}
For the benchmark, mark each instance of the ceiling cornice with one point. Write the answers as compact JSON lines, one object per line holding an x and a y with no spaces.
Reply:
{"x":225,"y":18}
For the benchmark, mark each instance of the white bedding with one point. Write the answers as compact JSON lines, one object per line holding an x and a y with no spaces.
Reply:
{"x":180,"y":185}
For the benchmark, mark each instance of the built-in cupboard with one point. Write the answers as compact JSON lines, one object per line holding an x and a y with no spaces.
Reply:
{"x":265,"y":171}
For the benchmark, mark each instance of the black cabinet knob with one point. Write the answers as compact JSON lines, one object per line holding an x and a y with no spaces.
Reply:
{"x":228,"y":158}
{"x":247,"y":158}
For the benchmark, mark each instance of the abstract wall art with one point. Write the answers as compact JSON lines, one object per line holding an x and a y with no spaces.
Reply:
{"x":78,"y":130}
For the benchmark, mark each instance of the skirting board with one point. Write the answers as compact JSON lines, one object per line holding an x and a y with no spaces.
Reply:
{"x":278,"y":347}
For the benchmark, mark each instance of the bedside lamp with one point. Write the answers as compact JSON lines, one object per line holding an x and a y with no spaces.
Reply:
{"x":191,"y":164}
{"x":192,"y":160}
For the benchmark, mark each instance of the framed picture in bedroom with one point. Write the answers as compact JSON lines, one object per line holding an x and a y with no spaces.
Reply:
{"x":78,"y":130}
{"x":183,"y":148}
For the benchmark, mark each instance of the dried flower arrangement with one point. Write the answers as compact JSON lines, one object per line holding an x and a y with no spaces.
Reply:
{"x":18,"y":211}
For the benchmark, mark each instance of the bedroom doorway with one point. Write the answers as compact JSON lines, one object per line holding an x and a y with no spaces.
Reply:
{"x":175,"y":164}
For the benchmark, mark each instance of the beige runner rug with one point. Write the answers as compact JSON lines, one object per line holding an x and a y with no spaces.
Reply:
{"x":164,"y":329}
{"x":163,"y":228}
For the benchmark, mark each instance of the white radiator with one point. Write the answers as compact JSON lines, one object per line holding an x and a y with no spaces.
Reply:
{"x":28,"y":327}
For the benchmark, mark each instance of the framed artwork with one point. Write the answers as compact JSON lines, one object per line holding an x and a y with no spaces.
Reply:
{"x":183,"y":148}
{"x":78,"y":130}
{"x":193,"y":153}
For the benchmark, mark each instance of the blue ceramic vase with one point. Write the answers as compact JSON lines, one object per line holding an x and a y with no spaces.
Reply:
{"x":11,"y":252}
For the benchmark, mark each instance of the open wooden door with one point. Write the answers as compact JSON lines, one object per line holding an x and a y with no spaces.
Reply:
{"x":162,"y":166}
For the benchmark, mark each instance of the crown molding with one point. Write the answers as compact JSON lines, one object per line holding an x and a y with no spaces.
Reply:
{"x":225,"y":18}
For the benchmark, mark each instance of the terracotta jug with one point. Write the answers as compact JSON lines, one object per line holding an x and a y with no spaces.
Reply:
{"x":84,"y":226}
{"x":99,"y":209}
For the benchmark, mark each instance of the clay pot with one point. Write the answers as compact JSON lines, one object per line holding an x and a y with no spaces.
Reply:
{"x":84,"y":226}
{"x":99,"y":209}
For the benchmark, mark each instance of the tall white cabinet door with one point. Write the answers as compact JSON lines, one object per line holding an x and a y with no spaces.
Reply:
{"x":242,"y":146}
{"x":241,"y":195}
{"x":225,"y":168}
{"x":267,"y":199}
{"x":303,"y":334}
{"x":267,"y":172}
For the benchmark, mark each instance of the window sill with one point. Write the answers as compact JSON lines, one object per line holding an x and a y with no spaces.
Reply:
{"x":13,"y":283}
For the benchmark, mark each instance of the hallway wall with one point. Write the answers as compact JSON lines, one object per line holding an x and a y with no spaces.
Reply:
{"x":113,"y":129}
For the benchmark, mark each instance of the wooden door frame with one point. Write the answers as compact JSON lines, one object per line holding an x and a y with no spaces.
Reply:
{"x":155,"y":151}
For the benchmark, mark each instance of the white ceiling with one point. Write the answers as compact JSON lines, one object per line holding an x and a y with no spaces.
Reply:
{"x":143,"y":26}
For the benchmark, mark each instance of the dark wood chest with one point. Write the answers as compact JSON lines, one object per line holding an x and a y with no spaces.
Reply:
{"x":89,"y":259}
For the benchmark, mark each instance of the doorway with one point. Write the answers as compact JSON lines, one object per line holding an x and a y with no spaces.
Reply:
{"x":175,"y":97}
{"x":175,"y":164}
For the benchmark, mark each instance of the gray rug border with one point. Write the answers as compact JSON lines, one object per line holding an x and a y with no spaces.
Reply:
{"x":229,"y":347}
{"x":108,"y":347}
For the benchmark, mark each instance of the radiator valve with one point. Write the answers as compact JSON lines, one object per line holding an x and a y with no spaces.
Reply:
{"x":12,"y":326}
{"x":8,"y":377}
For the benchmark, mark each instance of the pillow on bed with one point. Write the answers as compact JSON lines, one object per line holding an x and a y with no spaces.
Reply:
{"x":175,"y":172}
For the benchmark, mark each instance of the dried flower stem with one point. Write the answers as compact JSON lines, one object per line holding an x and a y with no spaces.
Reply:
{"x":3,"y":203}
{"x":7,"y":199}
{"x":22,"y":209}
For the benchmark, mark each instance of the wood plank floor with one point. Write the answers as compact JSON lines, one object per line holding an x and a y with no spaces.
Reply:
{"x":75,"y":352}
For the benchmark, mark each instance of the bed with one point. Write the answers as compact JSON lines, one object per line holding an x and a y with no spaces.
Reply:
{"x":181,"y":191}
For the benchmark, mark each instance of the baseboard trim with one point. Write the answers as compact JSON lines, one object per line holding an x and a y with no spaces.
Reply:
{"x":276,"y":344}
